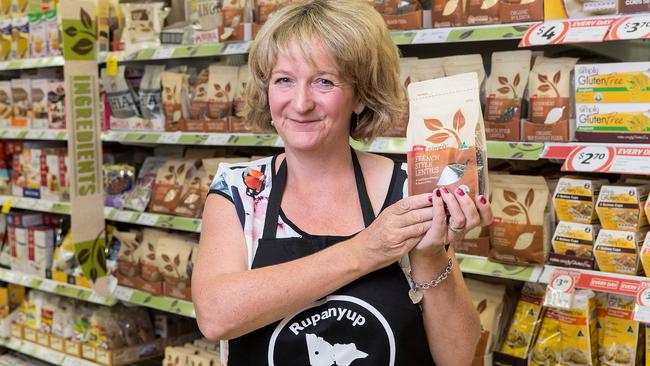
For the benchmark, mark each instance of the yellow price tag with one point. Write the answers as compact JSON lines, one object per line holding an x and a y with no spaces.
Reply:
{"x":7,"y":206}
{"x":111,"y":65}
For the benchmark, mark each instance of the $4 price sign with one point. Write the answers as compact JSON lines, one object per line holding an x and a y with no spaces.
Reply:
{"x":545,"y":33}
{"x":559,"y":292}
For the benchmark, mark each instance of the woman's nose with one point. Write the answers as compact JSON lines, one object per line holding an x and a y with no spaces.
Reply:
{"x":303,"y":100}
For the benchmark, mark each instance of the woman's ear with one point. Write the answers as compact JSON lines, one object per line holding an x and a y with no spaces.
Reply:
{"x":359,"y":108}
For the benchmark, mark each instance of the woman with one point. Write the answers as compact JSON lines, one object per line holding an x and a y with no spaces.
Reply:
{"x":298,"y":259}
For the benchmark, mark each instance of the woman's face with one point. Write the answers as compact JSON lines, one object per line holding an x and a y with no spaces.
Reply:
{"x":311,"y":105}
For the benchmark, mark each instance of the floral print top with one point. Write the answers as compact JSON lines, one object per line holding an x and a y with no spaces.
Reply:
{"x":248,"y":185}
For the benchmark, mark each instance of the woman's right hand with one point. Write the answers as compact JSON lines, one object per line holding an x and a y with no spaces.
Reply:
{"x":396,"y":231}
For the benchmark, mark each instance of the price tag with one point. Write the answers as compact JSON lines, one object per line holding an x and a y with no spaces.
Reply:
{"x":29,"y":63}
{"x":379,"y":145}
{"x":97,"y":298}
{"x":12,"y":133}
{"x":124,"y":216}
{"x":4,"y":65}
{"x":6,"y":207}
{"x":123,"y":293}
{"x":111,"y":65}
{"x":559,"y":292}
{"x":544,"y":33}
{"x":34,"y":134}
{"x":590,"y":159}
{"x":235,"y":48}
{"x":439,"y":35}
{"x":147,"y":219}
{"x":118,"y":136}
{"x":632,"y":27}
{"x":164,"y":53}
{"x":642,"y":304}
{"x":169,"y":138}
{"x":15,"y":343}
{"x":50,"y":134}
{"x":217,"y":139}
{"x":48,"y":286}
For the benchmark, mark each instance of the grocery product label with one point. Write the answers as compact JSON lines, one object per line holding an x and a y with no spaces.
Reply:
{"x":621,"y":207}
{"x":559,"y":292}
{"x":521,"y":330}
{"x":574,"y":199}
{"x":623,"y":82}
{"x":621,"y":335}
{"x":578,"y":334}
{"x":574,"y":239}
{"x":612,"y":122}
{"x":83,"y":115}
{"x":617,"y":251}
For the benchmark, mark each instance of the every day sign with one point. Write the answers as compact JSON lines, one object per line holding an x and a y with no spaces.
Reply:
{"x":84,"y":145}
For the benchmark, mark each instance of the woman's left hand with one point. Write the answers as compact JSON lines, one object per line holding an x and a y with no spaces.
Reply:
{"x":465,"y":213}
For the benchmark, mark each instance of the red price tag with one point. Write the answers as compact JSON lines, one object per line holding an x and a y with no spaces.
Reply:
{"x":590,"y":159}
{"x":642,"y":304}
{"x":631,"y":27}
{"x":545,"y":33}
{"x":559,"y":292}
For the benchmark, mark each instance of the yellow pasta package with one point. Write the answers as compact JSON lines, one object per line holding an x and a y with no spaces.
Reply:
{"x":601,"y":316}
{"x":546,"y":350}
{"x":525,"y":321}
{"x":578,"y":331}
{"x":622,"y":333}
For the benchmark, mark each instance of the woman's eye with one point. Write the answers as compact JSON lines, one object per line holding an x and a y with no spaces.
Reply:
{"x":282,"y":80}
{"x":324,"y":82}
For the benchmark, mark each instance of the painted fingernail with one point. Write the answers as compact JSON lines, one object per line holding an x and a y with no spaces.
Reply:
{"x":438,"y":193}
{"x":445,"y":190}
{"x":460,"y":192}
{"x":430,"y":198}
{"x":483,"y":200}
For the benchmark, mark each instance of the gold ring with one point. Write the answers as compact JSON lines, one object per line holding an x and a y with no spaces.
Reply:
{"x":457,"y":230}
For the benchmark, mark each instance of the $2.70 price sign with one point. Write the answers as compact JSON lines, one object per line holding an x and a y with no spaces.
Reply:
{"x":589,"y":159}
{"x":559,"y":292}
{"x":631,"y":27}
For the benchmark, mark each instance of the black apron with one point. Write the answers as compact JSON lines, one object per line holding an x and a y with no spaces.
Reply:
{"x":370,"y":321}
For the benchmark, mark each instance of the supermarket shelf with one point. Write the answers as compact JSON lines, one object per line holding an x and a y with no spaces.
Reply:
{"x":491,"y":32}
{"x":110,"y":213}
{"x":153,"y":219}
{"x":482,"y":266}
{"x":169,"y":304}
{"x":600,"y":281}
{"x":193,"y":138}
{"x":167,"y":52}
{"x":55,"y":287}
{"x":44,"y":353}
{"x":32,"y":63}
{"x":35,"y":204}
{"x":33,"y":134}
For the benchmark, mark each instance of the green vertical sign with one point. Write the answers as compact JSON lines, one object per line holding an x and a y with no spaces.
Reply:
{"x":84,"y":144}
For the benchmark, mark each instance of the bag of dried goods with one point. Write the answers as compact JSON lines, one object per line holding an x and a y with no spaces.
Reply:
{"x":578,"y":330}
{"x":445,"y":136}
{"x":546,"y":349}
{"x":504,"y":93}
{"x":527,"y":317}
{"x":518,"y":234}
{"x":549,"y":106}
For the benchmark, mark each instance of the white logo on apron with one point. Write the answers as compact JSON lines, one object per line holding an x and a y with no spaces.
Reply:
{"x":322,"y":353}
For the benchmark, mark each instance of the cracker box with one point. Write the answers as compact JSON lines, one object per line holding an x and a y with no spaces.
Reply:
{"x":575,"y":198}
{"x":618,"y":251}
{"x":575,"y":239}
{"x":621,"y":82}
{"x":620,"y":207}
{"x":613,"y":122}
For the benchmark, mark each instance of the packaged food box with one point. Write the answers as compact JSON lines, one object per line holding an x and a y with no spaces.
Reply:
{"x":5,"y":38}
{"x":563,"y":9}
{"x":40,"y":247}
{"x":613,"y":122}
{"x":39,"y":93}
{"x":618,"y":251}
{"x":37,"y":35}
{"x":20,"y":37}
{"x":574,"y":199}
{"x":620,"y":207}
{"x":620,"y":82}
{"x":575,"y":239}
{"x":21,"y":93}
{"x":645,"y":255}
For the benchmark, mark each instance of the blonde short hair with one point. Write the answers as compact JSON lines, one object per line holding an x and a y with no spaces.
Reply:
{"x":356,"y":38}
